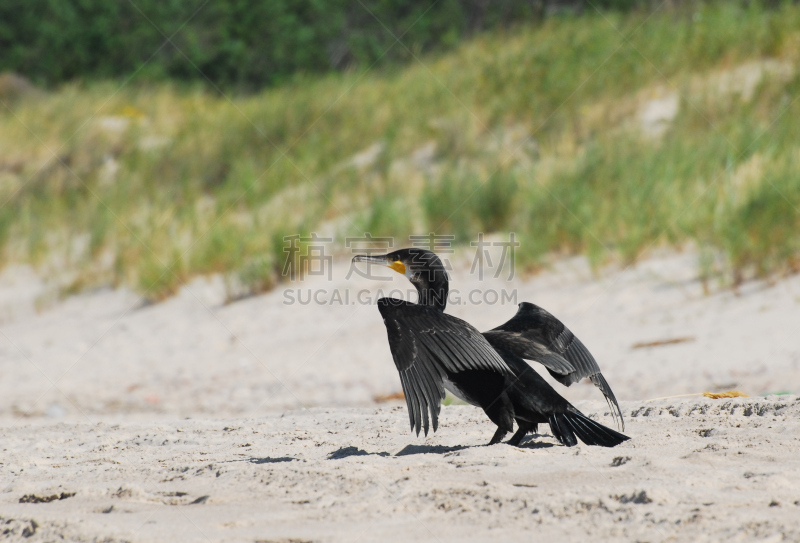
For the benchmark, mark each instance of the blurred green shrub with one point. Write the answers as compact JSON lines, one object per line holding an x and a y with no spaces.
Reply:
{"x":247,"y":43}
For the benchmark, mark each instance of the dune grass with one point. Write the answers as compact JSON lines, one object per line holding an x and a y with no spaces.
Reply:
{"x":536,"y":130}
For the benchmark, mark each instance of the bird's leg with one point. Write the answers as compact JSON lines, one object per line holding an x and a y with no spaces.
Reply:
{"x":498,"y":436}
{"x":516,"y":439}
{"x":524,"y":428}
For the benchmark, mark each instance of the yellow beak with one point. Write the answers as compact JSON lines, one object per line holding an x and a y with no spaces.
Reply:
{"x":398,"y":266}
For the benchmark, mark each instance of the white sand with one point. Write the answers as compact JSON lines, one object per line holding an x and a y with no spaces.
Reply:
{"x":695,"y":471}
{"x":93,"y":391}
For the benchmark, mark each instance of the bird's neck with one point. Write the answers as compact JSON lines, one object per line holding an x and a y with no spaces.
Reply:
{"x":433,"y":294}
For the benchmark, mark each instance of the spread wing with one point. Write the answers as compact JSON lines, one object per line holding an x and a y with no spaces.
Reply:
{"x":535,"y":334}
{"x":426,"y":345}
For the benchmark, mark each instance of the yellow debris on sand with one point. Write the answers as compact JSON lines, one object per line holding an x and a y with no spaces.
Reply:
{"x":728,"y":394}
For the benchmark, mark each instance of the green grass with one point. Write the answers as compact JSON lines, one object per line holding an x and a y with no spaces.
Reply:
{"x":532,"y":130}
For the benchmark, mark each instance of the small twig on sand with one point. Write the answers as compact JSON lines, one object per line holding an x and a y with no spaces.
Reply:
{"x":383,"y":398}
{"x":658,"y":343}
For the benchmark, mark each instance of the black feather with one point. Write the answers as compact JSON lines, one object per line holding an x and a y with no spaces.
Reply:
{"x":566,"y":426}
{"x":535,"y":334}
{"x":427,"y":345}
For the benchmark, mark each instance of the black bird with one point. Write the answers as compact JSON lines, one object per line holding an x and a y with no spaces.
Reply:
{"x":434,"y":351}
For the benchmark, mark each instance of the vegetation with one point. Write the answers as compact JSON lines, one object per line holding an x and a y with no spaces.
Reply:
{"x":242,"y":43}
{"x":247,"y":44}
{"x":606,"y":134}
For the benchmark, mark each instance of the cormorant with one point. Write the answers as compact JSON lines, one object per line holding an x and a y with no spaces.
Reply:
{"x":434,"y":351}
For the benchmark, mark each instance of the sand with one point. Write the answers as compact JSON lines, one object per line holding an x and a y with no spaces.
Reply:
{"x":256,"y":421}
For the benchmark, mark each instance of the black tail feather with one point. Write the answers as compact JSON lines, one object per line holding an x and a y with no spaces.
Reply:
{"x":565,"y":426}
{"x":562,"y":430}
{"x":616,"y":413}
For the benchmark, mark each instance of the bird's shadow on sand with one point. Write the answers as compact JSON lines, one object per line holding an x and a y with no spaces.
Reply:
{"x":528,"y":442}
{"x":428,"y":449}
{"x":346,"y":452}
{"x":271,"y":459}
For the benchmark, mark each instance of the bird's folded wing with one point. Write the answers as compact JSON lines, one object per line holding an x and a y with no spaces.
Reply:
{"x":535,"y":334}
{"x":426,"y":344}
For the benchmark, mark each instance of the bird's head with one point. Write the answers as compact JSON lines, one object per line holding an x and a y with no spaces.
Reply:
{"x":422,"y":267}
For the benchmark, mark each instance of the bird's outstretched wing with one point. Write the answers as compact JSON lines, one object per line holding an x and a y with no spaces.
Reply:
{"x":535,"y":334}
{"x":426,"y":344}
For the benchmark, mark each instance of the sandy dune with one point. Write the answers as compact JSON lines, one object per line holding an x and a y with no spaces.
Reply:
{"x":256,"y":421}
